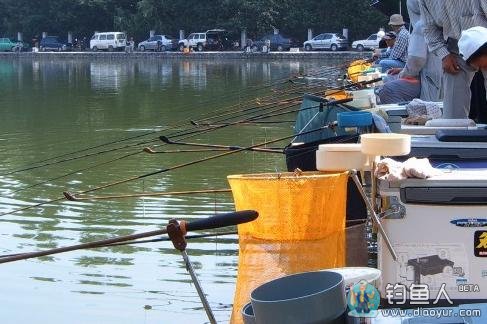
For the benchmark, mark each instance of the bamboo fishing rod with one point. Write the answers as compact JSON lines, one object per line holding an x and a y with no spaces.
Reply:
{"x":73,"y":197}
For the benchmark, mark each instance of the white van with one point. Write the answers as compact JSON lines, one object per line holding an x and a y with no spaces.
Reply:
{"x":108,"y":41}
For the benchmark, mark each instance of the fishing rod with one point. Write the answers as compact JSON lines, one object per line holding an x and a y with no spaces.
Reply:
{"x":146,"y":149}
{"x":245,"y":123}
{"x":228,"y":147}
{"x":160,"y":171}
{"x":27,"y":167}
{"x":103,"y":163}
{"x":83,"y":156}
{"x":217,"y":221}
{"x":151,"y":151}
{"x":76,"y":171}
{"x":73,"y":197}
{"x":337,"y":90}
{"x":162,"y":239}
{"x":32,"y":167}
{"x":191,"y":134}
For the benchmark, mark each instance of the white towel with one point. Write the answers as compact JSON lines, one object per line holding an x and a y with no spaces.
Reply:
{"x":391,"y":170}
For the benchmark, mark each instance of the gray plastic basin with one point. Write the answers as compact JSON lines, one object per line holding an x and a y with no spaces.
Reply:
{"x":248,"y":314}
{"x":309,"y":297}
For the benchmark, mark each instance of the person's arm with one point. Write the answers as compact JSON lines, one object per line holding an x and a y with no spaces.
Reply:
{"x":433,"y":33}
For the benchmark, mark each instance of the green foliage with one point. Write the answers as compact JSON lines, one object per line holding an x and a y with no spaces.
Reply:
{"x":137,"y":17}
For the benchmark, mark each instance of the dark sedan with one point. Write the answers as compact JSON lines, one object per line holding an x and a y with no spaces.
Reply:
{"x":277,"y":43}
{"x":52,"y":43}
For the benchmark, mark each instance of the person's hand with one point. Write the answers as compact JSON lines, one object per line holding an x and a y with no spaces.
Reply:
{"x":394,"y":71}
{"x":450,"y":64}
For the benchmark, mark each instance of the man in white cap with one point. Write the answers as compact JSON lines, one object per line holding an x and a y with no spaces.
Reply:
{"x":443,"y":24}
{"x":399,"y":52}
{"x":473,"y":47}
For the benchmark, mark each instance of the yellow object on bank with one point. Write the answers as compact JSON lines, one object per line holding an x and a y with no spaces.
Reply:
{"x":301,"y":227}
{"x":356,"y":68}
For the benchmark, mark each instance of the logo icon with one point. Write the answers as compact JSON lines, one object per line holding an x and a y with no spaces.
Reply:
{"x":480,"y":244}
{"x":363,"y":300}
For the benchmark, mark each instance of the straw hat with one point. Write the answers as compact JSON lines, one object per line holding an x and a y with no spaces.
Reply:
{"x":471,"y":40}
{"x":396,"y":20}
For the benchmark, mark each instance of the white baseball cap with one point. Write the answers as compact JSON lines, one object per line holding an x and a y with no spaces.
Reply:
{"x":471,"y":40}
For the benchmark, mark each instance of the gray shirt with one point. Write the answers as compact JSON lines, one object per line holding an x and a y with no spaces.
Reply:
{"x":445,"y":19}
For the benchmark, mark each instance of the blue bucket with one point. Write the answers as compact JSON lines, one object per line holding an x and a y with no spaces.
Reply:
{"x":354,"y":119}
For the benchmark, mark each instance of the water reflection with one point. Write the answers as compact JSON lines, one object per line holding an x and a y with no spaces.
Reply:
{"x":50,"y":108}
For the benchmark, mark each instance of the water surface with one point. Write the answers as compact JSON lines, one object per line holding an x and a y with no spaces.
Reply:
{"x":51,"y":108}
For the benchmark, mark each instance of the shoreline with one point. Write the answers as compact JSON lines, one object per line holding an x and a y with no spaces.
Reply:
{"x":348,"y":55}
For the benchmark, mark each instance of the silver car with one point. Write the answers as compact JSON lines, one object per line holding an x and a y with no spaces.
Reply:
{"x":330,"y":41}
{"x":159,"y":43}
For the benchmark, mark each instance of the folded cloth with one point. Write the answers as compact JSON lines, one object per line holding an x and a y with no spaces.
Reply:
{"x":391,"y":170}
{"x":418,"y":107}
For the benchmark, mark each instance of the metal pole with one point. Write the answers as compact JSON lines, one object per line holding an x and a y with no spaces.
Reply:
{"x":202,"y":295}
{"x":375,"y":218}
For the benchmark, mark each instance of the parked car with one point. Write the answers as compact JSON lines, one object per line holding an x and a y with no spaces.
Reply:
{"x":110,"y":41}
{"x":371,"y":42}
{"x":6,"y":45}
{"x":277,"y":43}
{"x":159,"y":43}
{"x":192,"y":41}
{"x":218,"y":40}
{"x":331,"y":41}
{"x":211,"y":40}
{"x":52,"y":43}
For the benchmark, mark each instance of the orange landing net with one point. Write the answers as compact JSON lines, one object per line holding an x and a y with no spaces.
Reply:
{"x":301,"y":227}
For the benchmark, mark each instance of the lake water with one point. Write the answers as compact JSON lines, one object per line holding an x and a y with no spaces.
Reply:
{"x":52,"y":108}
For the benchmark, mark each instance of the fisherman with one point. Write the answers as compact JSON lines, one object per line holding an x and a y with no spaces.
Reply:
{"x":390,"y":39}
{"x":473,"y":47}
{"x":398,"y":54}
{"x":421,"y":76}
{"x":443,"y":24}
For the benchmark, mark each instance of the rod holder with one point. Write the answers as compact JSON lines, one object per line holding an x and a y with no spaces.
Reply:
{"x":375,"y":218}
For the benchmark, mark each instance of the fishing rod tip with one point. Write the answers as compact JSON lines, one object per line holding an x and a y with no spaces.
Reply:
{"x":149,"y":150}
{"x":69,"y":196}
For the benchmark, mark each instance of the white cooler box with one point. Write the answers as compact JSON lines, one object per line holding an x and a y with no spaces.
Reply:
{"x":456,"y":155}
{"x":439,"y":232}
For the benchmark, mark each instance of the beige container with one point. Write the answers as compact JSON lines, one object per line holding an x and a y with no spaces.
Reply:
{"x":388,"y":144}
{"x":340,"y":157}
{"x":363,"y":98}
